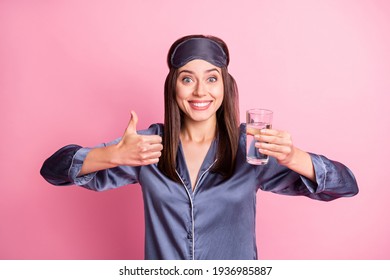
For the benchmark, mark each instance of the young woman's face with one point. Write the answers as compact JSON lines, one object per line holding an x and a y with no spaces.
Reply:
{"x":199,"y":90}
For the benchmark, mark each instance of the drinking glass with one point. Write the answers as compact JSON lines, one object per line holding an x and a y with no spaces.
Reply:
{"x":256,"y":120}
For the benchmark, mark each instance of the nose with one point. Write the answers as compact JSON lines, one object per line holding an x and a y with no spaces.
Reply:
{"x":200,"y":89}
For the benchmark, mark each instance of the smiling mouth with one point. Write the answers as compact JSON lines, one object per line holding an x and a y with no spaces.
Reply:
{"x":200,"y":105}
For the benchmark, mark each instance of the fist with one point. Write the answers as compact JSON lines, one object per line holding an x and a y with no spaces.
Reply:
{"x":137,"y":150}
{"x":277,"y":144}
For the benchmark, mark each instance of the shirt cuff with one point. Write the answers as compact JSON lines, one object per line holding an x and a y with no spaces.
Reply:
{"x":75,"y":168}
{"x":320,"y":173}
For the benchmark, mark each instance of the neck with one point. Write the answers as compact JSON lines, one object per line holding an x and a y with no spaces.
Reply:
{"x":199,"y":131}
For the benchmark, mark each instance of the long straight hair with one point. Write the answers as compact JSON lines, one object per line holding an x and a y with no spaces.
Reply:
{"x":227,"y":120}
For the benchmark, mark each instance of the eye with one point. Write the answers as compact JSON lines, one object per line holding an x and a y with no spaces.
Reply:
{"x":187,"y":80}
{"x":212,"y":79}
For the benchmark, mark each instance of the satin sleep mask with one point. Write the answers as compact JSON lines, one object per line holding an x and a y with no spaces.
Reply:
{"x":198,"y":48}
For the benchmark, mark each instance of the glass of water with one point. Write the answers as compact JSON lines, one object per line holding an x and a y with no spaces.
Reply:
{"x":256,"y":120}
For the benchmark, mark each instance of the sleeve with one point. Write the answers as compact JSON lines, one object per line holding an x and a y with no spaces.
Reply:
{"x":104,"y":179}
{"x":63,"y":167}
{"x":55,"y":169}
{"x":333,"y":180}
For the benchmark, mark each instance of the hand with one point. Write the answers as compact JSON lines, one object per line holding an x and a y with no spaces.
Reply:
{"x":277,"y":144}
{"x":135,"y":149}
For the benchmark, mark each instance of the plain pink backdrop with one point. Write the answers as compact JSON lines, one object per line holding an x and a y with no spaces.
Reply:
{"x":71,"y":71}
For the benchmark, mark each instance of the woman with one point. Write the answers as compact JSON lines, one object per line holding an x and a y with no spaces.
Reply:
{"x":199,"y":192}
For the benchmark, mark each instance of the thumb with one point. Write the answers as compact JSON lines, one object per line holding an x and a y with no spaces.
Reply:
{"x":132,"y":126}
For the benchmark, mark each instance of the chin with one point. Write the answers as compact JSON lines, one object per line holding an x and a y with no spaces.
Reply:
{"x":200,"y":117}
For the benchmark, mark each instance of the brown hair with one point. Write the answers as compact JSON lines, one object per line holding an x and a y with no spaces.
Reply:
{"x":227,"y":120}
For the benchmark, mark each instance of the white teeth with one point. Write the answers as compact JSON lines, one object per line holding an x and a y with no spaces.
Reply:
{"x":202,"y":104}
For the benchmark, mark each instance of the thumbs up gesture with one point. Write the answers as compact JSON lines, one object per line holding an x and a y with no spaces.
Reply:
{"x":137,"y":150}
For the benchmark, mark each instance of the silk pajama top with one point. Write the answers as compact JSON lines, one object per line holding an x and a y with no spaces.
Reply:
{"x":217,"y":219}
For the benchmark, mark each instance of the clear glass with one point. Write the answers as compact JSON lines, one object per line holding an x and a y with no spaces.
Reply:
{"x":256,"y":120}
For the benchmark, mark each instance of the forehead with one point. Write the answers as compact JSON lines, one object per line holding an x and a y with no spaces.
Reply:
{"x":199,"y":65}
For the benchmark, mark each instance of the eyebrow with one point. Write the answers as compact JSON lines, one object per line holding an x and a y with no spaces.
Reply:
{"x":191,"y":72}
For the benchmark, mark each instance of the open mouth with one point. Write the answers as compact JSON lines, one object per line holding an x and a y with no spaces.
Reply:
{"x":200,"y":105}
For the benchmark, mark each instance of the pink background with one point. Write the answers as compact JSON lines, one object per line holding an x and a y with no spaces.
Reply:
{"x":71,"y":71}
